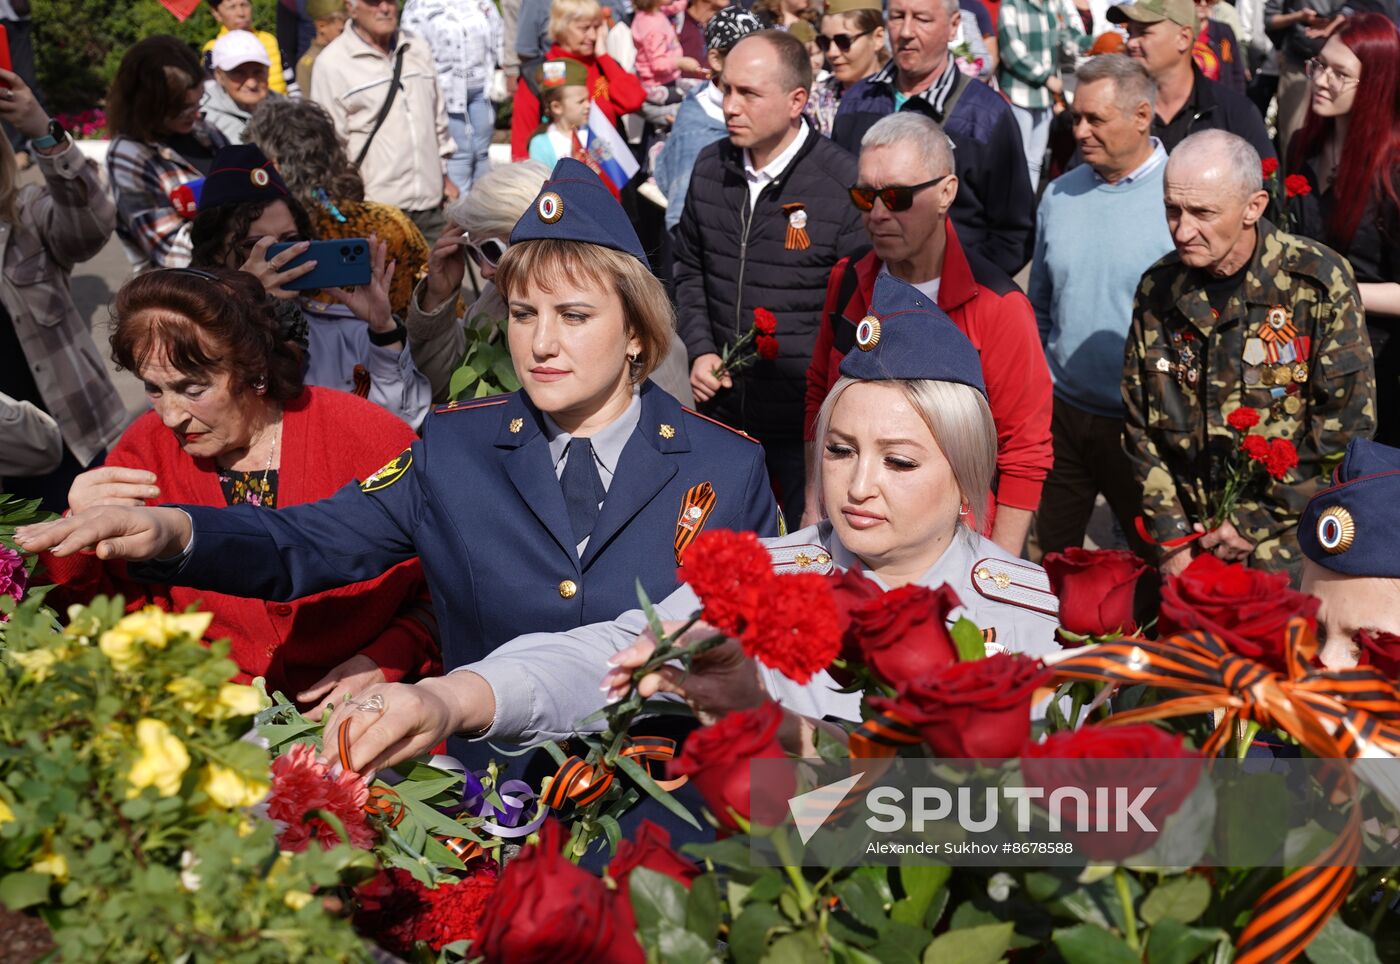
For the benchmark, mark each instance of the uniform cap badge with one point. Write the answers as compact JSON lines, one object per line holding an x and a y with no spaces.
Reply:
{"x":259,"y":177}
{"x":550,"y":207}
{"x":1335,"y":530}
{"x":868,"y":333}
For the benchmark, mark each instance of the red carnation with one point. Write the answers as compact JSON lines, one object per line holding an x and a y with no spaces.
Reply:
{"x":729,"y":571}
{"x":1296,"y":185}
{"x":1269,"y":167}
{"x":767,"y":347}
{"x":1243,"y":418}
{"x":1256,"y":447}
{"x":1282,"y":457}
{"x":798,"y":629}
{"x":397,"y":911}
{"x":301,"y":786}
{"x":765,"y":322}
{"x":650,"y":847}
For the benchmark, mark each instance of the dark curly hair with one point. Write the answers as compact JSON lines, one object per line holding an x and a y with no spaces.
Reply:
{"x":299,"y":137}
{"x":206,"y":322}
{"x":216,"y":233}
{"x":150,"y":87}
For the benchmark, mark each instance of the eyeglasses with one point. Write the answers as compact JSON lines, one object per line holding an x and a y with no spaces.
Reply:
{"x":488,"y":252}
{"x":842,"y":41}
{"x":895,"y":198}
{"x":1317,"y":69}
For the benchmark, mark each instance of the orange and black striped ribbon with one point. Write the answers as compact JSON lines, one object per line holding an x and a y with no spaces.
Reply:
{"x":688,"y":524}
{"x":579,"y":782}
{"x":362,"y":381}
{"x":1334,"y":714}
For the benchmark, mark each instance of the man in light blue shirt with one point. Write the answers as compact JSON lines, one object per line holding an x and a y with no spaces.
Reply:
{"x":1099,"y":227}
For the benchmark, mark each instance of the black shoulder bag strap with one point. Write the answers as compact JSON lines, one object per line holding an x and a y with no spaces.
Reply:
{"x":843,"y":329}
{"x":388,"y":103}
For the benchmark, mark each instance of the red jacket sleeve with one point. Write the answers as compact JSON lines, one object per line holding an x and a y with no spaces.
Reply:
{"x":625,"y":91}
{"x":1019,"y":393}
{"x":825,"y":367}
{"x":524,"y":121}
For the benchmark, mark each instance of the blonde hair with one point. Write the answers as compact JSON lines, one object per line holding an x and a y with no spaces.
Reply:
{"x":562,"y":12}
{"x":646,"y":310}
{"x":962,"y":426}
{"x":498,"y":199}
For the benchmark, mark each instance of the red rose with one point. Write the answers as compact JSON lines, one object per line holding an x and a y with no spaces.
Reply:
{"x":1245,"y":608}
{"x":1281,"y":459}
{"x":797,"y":630}
{"x":1256,"y":447}
{"x":545,"y":909}
{"x":1095,"y":589}
{"x":1243,"y":419}
{"x":767,"y":347}
{"x":650,"y":847}
{"x":765,"y":321}
{"x":904,"y":633}
{"x":980,"y":709}
{"x":1296,"y":185}
{"x":1093,"y":757}
{"x":1381,"y":650}
{"x":729,"y":571}
{"x":849,"y":590}
{"x":716,"y":758}
{"x":1269,"y":167}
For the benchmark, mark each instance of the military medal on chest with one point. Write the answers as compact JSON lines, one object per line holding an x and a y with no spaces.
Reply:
{"x":1183,"y":369}
{"x":1276,"y":357}
{"x":797,"y":238}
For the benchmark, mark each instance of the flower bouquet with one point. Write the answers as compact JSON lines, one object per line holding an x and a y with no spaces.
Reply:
{"x":760,"y":341}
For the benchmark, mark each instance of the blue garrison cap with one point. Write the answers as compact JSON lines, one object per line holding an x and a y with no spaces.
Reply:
{"x":907,"y":336}
{"x":573,"y":205}
{"x":239,"y":174}
{"x":1353,"y":527}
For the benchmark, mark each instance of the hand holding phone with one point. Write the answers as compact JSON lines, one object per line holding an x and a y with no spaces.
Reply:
{"x":338,"y":263}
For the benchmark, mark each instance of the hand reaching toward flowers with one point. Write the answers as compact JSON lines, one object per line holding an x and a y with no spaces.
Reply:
{"x":356,"y":675}
{"x":113,"y":532}
{"x":1226,"y":542}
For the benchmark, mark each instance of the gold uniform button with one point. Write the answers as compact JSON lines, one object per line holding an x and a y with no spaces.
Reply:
{"x":568,"y":589}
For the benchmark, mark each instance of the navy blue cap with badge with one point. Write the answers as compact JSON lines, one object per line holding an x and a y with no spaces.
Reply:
{"x":573,"y":205}
{"x":907,"y":336}
{"x":1353,"y":527}
{"x":241,"y":173}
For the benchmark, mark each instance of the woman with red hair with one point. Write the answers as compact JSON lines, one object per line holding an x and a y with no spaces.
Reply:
{"x":1349,"y":151}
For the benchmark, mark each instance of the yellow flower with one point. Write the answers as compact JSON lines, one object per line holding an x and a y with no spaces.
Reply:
{"x":121,"y":648}
{"x":151,"y":628}
{"x":193,"y":696}
{"x":6,"y":814}
{"x":240,"y":700}
{"x":55,"y":865}
{"x":38,"y":663}
{"x":296,"y":899}
{"x":230,"y":789}
{"x":163,"y":760}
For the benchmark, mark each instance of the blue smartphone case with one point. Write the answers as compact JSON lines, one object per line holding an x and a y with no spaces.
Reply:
{"x":339,"y":263}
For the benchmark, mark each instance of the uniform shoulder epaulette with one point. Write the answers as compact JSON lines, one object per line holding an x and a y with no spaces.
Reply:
{"x":1015,"y":583}
{"x":788,"y":560}
{"x":728,"y":428}
{"x":471,"y":405}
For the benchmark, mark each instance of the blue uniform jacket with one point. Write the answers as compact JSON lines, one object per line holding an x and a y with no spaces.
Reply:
{"x":478,"y":500}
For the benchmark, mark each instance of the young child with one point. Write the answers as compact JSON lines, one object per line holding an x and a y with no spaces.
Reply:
{"x":238,"y":15}
{"x":659,"y":57}
{"x":329,"y":18}
{"x":564,"y":96}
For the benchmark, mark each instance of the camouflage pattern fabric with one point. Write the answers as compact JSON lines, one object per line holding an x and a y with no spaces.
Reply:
{"x":1290,"y":342}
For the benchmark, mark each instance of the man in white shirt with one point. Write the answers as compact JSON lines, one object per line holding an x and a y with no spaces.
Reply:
{"x":405,"y":161}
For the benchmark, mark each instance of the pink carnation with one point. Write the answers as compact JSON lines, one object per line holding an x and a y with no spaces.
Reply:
{"x":300,"y":786}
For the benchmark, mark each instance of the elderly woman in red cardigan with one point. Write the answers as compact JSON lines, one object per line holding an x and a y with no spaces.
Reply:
{"x":579,"y":33}
{"x":231,"y":422}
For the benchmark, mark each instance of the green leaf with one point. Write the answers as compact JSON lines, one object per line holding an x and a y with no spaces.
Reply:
{"x":1337,"y":942}
{"x":24,"y":889}
{"x":640,"y":776}
{"x":971,"y":945}
{"x":859,"y":896}
{"x":679,"y":946}
{"x":1087,"y":944}
{"x":900,"y":944}
{"x":1172,"y":942}
{"x":702,"y":910}
{"x":749,"y":936}
{"x":921,"y":884}
{"x":800,"y":947}
{"x":1182,"y":899}
{"x":425,"y":790}
{"x":656,"y":900}
{"x":969,"y":640}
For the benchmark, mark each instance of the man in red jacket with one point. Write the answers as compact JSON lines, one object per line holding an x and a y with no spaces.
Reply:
{"x":906,"y":186}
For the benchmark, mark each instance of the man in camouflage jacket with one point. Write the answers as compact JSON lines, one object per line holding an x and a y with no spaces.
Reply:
{"x":1240,"y":315}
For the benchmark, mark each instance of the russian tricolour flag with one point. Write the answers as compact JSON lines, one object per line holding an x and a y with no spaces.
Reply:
{"x":611,"y":157}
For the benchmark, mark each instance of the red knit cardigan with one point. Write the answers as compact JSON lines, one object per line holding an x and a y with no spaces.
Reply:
{"x":328,"y":438}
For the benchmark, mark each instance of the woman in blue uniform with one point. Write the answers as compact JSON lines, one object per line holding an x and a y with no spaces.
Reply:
{"x":909,"y":447}
{"x":537,"y":511}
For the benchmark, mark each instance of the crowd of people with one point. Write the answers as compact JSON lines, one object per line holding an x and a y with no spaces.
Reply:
{"x":927,"y":280}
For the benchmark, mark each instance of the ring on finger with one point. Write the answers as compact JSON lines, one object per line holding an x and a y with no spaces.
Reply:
{"x":373,"y":704}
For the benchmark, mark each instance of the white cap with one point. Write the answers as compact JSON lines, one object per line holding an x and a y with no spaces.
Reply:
{"x":238,"y":47}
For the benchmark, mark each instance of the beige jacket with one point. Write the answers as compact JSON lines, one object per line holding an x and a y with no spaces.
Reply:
{"x":406,"y":161}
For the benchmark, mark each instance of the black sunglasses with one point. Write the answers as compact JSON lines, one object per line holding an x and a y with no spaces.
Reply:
{"x":488,"y":252}
{"x":894,"y":198}
{"x":842,"y":41}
